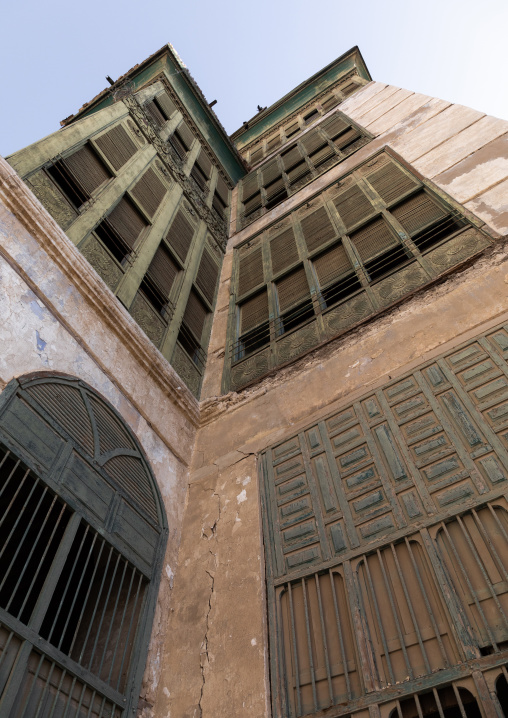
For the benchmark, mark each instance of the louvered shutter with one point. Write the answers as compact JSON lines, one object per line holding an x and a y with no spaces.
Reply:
{"x":177,"y":144}
{"x":273,"y":143}
{"x":256,"y":155}
{"x":311,"y":116}
{"x":126,"y":221}
{"x":390,"y":182}
{"x":291,"y":157}
{"x":283,"y":250}
{"x":218,"y":204}
{"x":252,"y":204}
{"x":180,"y":235}
{"x":154,"y":113}
{"x":249,"y":186}
{"x":322,"y":155}
{"x":86,"y":167}
{"x":317,"y":229}
{"x":347,"y":138}
{"x":334,"y":125}
{"x":166,"y":104}
{"x":195,"y":315}
{"x":270,"y":172}
{"x":254,"y":312}
{"x":274,"y":189}
{"x":292,"y":290}
{"x":208,"y":273}
{"x":204,"y":163}
{"x":329,"y":102}
{"x":372,"y":239}
{"x":296,"y":173}
{"x":222,"y":190}
{"x":349,"y":89}
{"x":149,"y":191}
{"x":312,"y":141}
{"x":117,"y":146}
{"x":353,"y":206}
{"x":417,"y":212}
{"x":292,"y":129}
{"x":185,"y":134}
{"x":163,"y":271}
{"x":250,"y":272}
{"x":198,"y":176}
{"x":331,"y":265}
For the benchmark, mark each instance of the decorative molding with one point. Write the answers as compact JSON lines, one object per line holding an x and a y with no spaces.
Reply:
{"x":217,"y":227}
{"x":101,"y":261}
{"x":19,"y":200}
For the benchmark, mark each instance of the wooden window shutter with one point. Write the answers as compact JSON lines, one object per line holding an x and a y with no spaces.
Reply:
{"x":291,"y":157}
{"x":417,"y":212}
{"x":270,"y":171}
{"x":249,"y":186}
{"x":372,"y":239}
{"x":126,"y":221}
{"x":347,"y":138}
{"x":322,"y":155}
{"x":293,"y":289}
{"x":254,"y":312}
{"x":317,"y":229}
{"x":292,"y":129}
{"x":166,"y":103}
{"x":195,"y":315}
{"x":299,"y":171}
{"x":198,"y":176}
{"x":117,"y":146}
{"x":311,"y":116}
{"x":222,"y":190}
{"x":349,"y":89}
{"x":154,"y":113}
{"x":332,"y":264}
{"x":204,"y":163}
{"x":390,"y":182}
{"x":334,"y":125}
{"x":252,"y":204}
{"x":274,"y":188}
{"x":273,"y":143}
{"x":163,"y":270}
{"x":283,"y":250}
{"x":149,"y":191}
{"x":256,"y":155}
{"x":218,"y":204}
{"x":185,"y":134}
{"x":329,"y":102}
{"x":208,"y":273}
{"x":180,"y":235}
{"x":312,"y":141}
{"x":250,"y":272}
{"x":86,"y":167}
{"x":353,"y":206}
{"x":176,"y":143}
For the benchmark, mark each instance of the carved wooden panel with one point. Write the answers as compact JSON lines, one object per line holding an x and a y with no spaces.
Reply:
{"x":386,"y":529}
{"x":148,"y":319}
{"x":53,"y":200}
{"x":185,"y":367}
{"x":101,"y":260}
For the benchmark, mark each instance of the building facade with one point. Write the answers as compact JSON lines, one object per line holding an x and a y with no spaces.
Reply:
{"x":253,"y":411}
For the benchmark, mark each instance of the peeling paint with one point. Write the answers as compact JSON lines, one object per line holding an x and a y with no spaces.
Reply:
{"x":242,"y":496}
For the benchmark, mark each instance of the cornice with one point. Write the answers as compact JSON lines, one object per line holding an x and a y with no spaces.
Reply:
{"x":18,"y":199}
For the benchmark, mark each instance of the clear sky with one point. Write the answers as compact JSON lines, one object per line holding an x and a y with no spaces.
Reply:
{"x":55,"y":55}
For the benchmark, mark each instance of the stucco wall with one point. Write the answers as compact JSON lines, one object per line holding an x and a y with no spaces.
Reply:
{"x":216,"y":663}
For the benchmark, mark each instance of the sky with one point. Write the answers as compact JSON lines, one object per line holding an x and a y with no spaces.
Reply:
{"x":55,"y":55}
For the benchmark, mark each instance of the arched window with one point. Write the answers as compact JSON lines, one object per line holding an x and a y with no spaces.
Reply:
{"x":82,"y":535}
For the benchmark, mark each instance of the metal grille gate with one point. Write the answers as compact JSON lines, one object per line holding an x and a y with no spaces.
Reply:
{"x":76,"y":593}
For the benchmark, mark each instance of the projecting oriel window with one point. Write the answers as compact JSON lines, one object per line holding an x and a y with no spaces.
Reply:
{"x":364,"y":243}
{"x":82,"y":530}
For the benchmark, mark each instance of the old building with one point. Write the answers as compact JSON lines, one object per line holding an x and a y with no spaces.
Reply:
{"x":253,"y":420}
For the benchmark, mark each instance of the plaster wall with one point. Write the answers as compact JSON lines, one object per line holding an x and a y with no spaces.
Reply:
{"x":56,"y":315}
{"x":216,"y":663}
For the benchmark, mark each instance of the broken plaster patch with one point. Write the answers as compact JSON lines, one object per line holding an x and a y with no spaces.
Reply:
{"x":253,"y":642}
{"x":170,"y":574}
{"x":242,"y":496}
{"x":41,"y":344}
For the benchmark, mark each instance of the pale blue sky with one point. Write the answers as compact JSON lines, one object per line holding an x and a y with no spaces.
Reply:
{"x":55,"y":54}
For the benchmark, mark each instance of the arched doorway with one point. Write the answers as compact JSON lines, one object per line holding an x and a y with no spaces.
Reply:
{"x":82,"y":536}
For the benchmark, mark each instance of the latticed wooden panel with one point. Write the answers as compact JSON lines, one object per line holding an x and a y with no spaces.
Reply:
{"x":208,"y":274}
{"x":163,"y":270}
{"x":250,"y":270}
{"x":391,"y":182}
{"x":418,"y":211}
{"x":86,"y":167}
{"x":387,"y":537}
{"x":332,"y":264}
{"x":283,"y":250}
{"x":180,"y":235}
{"x":317,"y":229}
{"x":126,"y":221}
{"x":117,"y":146}
{"x":353,"y":206}
{"x":195,"y":315}
{"x":254,"y":311}
{"x":292,"y":289}
{"x":149,"y":191}
{"x":373,"y":238}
